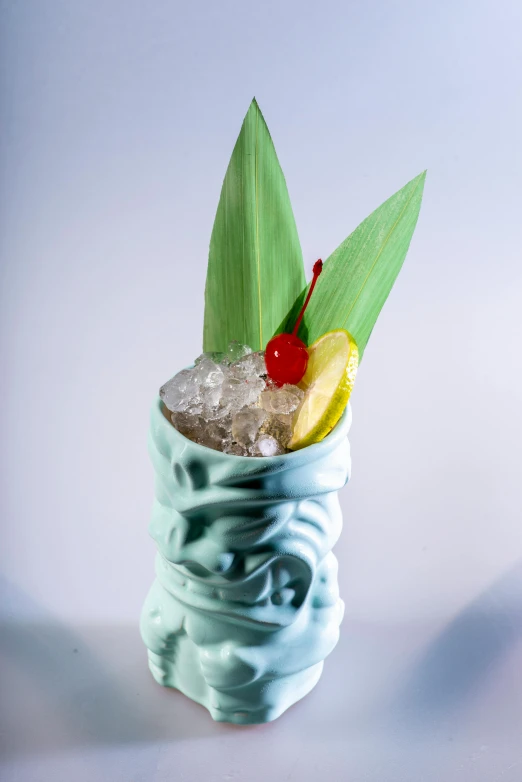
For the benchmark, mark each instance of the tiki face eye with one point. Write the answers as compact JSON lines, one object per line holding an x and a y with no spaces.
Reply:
{"x":193,"y":474}
{"x":198,"y":474}
{"x":180,"y":475}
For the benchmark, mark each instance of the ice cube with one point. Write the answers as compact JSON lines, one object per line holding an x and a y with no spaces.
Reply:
{"x":266,"y":445}
{"x":246,"y":423}
{"x":235,"y":449}
{"x":207,"y":373}
{"x":251,"y":365}
{"x":179,"y":392}
{"x":239,"y":393}
{"x":189,"y":425}
{"x":236,"y":350}
{"x":259,"y":362}
{"x":218,"y":413}
{"x":279,"y":427}
{"x":283,"y":400}
{"x":210,"y":378}
{"x":214,"y":356}
{"x":195,"y":407}
{"x":215,"y":434}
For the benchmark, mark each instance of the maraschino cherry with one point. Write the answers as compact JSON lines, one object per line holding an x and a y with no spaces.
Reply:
{"x":286,"y":356}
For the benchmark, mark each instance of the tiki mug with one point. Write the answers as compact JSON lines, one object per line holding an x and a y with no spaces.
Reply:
{"x":245,"y":606}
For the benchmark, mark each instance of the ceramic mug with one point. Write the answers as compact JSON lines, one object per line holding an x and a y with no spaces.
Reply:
{"x":245,"y":605}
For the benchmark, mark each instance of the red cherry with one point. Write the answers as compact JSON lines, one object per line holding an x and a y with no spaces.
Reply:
{"x":286,"y":359}
{"x":286,"y":356}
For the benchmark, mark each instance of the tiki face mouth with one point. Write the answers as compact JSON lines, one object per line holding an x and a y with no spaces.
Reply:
{"x":275,"y":581}
{"x":270,"y":596}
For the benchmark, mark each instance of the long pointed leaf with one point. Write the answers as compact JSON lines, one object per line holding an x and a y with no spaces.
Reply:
{"x":255,"y":266}
{"x":359,"y":275}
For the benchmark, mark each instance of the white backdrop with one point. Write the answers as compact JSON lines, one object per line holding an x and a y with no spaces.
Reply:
{"x":118,"y":123}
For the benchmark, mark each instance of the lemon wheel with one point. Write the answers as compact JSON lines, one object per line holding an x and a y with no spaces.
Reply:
{"x":327,"y":383}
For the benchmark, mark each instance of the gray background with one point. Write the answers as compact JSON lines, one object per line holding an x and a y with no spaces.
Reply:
{"x":118,"y":120}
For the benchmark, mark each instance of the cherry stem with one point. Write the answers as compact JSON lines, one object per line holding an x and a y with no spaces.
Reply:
{"x":318,"y":267}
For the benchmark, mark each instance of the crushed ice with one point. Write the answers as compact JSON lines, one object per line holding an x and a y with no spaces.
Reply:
{"x":226,"y":402}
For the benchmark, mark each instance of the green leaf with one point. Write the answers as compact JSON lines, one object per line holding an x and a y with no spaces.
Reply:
{"x":255,"y":266}
{"x":359,"y":275}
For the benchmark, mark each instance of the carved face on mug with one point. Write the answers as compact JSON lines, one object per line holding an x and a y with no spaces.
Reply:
{"x":254,"y":541}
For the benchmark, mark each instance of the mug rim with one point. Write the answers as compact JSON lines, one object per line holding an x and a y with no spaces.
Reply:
{"x":339,"y":431}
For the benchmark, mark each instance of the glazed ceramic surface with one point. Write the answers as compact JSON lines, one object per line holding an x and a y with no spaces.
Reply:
{"x":245,"y":605}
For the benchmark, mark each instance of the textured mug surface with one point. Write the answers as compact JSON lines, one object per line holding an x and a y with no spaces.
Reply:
{"x":245,"y":605}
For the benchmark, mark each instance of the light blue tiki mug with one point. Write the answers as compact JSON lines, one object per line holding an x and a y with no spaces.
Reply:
{"x":245,"y":605}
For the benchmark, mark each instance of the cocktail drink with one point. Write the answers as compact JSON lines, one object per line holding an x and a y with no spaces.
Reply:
{"x":249,"y":447}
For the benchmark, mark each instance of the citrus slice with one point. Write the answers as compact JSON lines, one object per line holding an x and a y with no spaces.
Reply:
{"x":327,"y":383}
